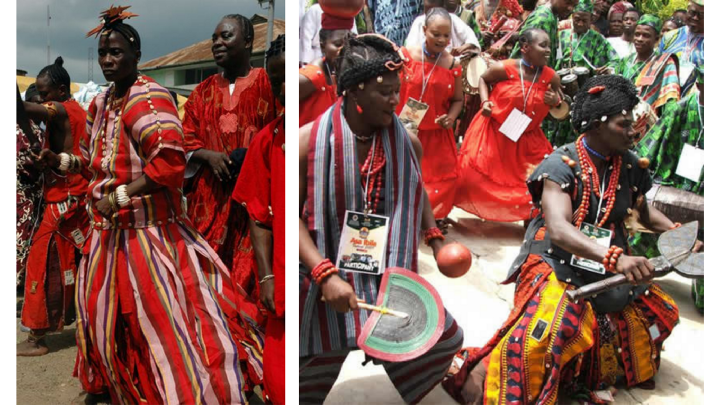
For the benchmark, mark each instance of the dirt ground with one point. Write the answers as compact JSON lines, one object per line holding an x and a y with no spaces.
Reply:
{"x":48,"y":379}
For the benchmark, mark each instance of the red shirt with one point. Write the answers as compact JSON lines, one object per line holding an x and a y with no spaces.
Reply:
{"x":321,"y":99}
{"x":59,"y":187}
{"x":261,"y":189}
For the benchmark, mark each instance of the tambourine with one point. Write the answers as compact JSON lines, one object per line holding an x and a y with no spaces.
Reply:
{"x":473,"y":68}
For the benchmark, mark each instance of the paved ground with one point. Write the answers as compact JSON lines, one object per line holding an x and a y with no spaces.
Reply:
{"x":480,"y":305}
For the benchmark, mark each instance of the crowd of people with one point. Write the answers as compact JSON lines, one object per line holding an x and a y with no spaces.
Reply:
{"x":578,"y":109}
{"x":162,"y":238}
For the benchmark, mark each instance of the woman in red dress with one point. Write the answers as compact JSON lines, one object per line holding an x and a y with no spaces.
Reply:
{"x":318,"y":90}
{"x":432,"y":76}
{"x":492,"y":167}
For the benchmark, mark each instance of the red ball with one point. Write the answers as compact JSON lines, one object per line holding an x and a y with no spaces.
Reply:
{"x":454,"y":260}
{"x":342,"y":8}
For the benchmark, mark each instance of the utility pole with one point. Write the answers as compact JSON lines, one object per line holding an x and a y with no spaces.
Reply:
{"x":271,"y":20}
{"x":48,"y":34}
{"x":90,"y":64}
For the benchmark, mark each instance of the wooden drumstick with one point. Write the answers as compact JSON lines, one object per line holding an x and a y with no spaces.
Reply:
{"x":383,"y":310}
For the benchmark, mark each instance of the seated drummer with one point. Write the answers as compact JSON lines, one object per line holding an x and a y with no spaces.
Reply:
{"x":677,"y":136}
{"x":584,"y":47}
{"x":358,"y":158}
{"x":584,"y":188}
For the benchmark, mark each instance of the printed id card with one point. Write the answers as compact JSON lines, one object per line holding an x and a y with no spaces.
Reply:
{"x":686,"y":69}
{"x":691,"y":163}
{"x":602,"y":237}
{"x":515,"y":124}
{"x":363,"y":243}
{"x":78,"y":237}
{"x":412,"y":115}
{"x":69,"y":277}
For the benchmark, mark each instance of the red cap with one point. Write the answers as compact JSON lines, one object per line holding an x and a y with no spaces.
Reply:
{"x":332,"y":22}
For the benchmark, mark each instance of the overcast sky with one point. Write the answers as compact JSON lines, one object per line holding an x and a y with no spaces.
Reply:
{"x":164,"y":26}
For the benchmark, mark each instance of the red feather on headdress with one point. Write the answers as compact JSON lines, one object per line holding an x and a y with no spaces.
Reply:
{"x":111,"y":16}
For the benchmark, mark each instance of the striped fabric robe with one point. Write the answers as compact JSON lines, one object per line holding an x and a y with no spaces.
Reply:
{"x":156,"y":321}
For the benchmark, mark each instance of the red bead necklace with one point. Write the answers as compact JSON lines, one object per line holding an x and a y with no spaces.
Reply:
{"x":589,"y":171}
{"x":371,"y":174}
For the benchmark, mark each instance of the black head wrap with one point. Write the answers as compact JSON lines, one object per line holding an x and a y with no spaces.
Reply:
{"x":602,"y":96}
{"x":364,"y":57}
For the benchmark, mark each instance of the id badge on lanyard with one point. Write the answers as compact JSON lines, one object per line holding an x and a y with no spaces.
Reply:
{"x":517,"y":122}
{"x":686,"y":69}
{"x":602,"y":237}
{"x":412,"y":115}
{"x":691,"y":163}
{"x":515,"y":125}
{"x":363,"y":243}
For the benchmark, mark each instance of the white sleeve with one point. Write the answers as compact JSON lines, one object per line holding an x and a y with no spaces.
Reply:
{"x":415,"y":36}
{"x":309,"y":29}
{"x":464,"y":32}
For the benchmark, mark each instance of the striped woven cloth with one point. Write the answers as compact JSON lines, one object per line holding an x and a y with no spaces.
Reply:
{"x":334,"y":186}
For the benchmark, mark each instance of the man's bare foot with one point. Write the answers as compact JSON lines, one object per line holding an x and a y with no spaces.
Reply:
{"x":86,"y":398}
{"x":472,"y":391}
{"x":32,"y":347}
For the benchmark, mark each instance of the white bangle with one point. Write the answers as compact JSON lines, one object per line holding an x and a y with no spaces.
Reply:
{"x":122,"y":196}
{"x":64,"y":162}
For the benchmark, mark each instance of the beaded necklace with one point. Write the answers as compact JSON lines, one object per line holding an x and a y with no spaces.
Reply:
{"x":110,"y":141}
{"x":372,"y":172}
{"x":591,"y":181}
{"x":428,"y":53}
{"x":593,"y":151}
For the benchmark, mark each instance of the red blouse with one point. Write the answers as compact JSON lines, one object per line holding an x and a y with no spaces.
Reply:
{"x":439,"y":91}
{"x":321,"y":99}
{"x":261,"y":189}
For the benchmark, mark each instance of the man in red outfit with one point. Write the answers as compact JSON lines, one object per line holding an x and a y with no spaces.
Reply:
{"x":261,"y":190}
{"x":52,"y":266}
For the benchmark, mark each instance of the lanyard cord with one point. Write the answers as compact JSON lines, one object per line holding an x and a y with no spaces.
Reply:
{"x":330,"y":72}
{"x":687,"y":52}
{"x":366,"y":201}
{"x":572,"y":50}
{"x":602,"y":195}
{"x":702,"y":124}
{"x":422,"y":68}
{"x":522,"y":83}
